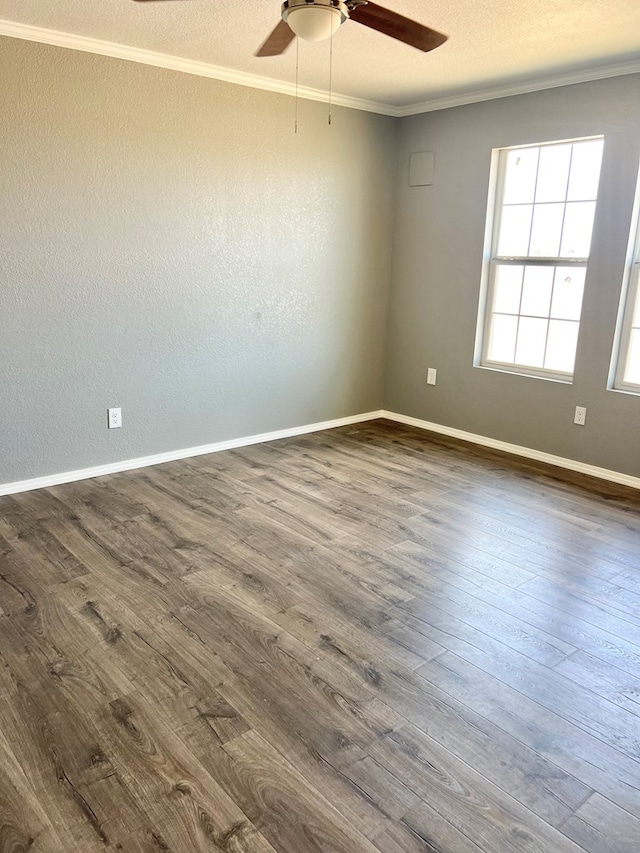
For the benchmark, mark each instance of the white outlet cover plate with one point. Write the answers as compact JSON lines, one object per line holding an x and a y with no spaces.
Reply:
{"x":114,"y":418}
{"x":580,"y":416}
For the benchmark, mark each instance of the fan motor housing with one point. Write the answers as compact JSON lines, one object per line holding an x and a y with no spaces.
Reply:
{"x":332,"y":4}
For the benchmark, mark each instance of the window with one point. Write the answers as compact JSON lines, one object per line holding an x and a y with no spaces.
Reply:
{"x":538,"y":242}
{"x":627,"y":373}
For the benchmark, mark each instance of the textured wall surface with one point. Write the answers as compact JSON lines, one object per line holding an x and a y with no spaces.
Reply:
{"x":439,"y":232}
{"x":168,"y":245}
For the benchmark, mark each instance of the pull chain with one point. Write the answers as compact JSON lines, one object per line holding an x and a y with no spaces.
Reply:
{"x":330,"y":76}
{"x":297,"y":79}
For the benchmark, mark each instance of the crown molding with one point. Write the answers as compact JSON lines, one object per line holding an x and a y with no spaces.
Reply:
{"x":567,"y":78}
{"x":58,"y":38}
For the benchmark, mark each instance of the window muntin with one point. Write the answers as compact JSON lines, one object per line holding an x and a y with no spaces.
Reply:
{"x":631,"y":375}
{"x":625,"y":363}
{"x":628,"y":369}
{"x":545,"y":199}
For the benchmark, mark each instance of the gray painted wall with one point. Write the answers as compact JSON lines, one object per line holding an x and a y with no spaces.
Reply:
{"x":169,"y":246}
{"x":438,"y":245}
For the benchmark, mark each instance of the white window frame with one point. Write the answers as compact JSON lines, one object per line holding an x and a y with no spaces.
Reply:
{"x":629,"y":298}
{"x":491,"y":262}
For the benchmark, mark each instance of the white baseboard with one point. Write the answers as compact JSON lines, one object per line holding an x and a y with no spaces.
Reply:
{"x":173,"y":455}
{"x":518,"y":450}
{"x":185,"y":453}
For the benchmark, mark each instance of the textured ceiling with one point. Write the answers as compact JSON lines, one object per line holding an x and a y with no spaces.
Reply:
{"x":492,"y":43}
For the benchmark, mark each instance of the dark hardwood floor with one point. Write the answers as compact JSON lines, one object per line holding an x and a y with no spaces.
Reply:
{"x":353,"y":641}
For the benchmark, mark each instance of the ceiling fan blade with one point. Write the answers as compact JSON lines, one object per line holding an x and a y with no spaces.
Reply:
{"x":278,"y":41}
{"x":397,"y":26}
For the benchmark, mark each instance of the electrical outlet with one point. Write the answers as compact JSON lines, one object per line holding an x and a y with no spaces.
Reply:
{"x":431,"y":376}
{"x":580,"y":416}
{"x":114,"y":418}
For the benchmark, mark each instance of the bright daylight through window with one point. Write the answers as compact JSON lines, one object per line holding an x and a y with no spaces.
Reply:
{"x":628,"y":354}
{"x":540,"y":238}
{"x":631,"y":352}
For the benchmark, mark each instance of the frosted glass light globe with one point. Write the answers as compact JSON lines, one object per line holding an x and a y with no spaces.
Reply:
{"x":314,"y":23}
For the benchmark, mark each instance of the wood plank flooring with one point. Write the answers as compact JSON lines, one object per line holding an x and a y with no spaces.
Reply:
{"x":353,"y":641}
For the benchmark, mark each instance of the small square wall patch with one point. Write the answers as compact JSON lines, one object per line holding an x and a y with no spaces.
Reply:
{"x":421,"y":165}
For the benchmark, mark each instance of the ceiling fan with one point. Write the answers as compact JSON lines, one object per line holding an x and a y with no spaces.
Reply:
{"x":315,"y":20}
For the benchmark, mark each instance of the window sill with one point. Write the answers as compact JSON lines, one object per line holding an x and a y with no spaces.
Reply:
{"x":568,"y":380}
{"x":631,"y":392}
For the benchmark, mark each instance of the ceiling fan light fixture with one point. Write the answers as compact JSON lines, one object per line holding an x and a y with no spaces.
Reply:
{"x":314,"y":21}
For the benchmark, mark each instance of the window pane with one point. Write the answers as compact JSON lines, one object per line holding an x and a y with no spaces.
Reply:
{"x":567,"y":293}
{"x":576,"y":234}
{"x":632,"y":373}
{"x":546,"y":230}
{"x":553,"y":173}
{"x":585,"y":170}
{"x":532,"y":336}
{"x":561,"y":346}
{"x":520,"y":176}
{"x":502,"y":342}
{"x":544,"y":213}
{"x":636,"y":313}
{"x":508,"y":286}
{"x":536,"y":293}
{"x":515,"y":227}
